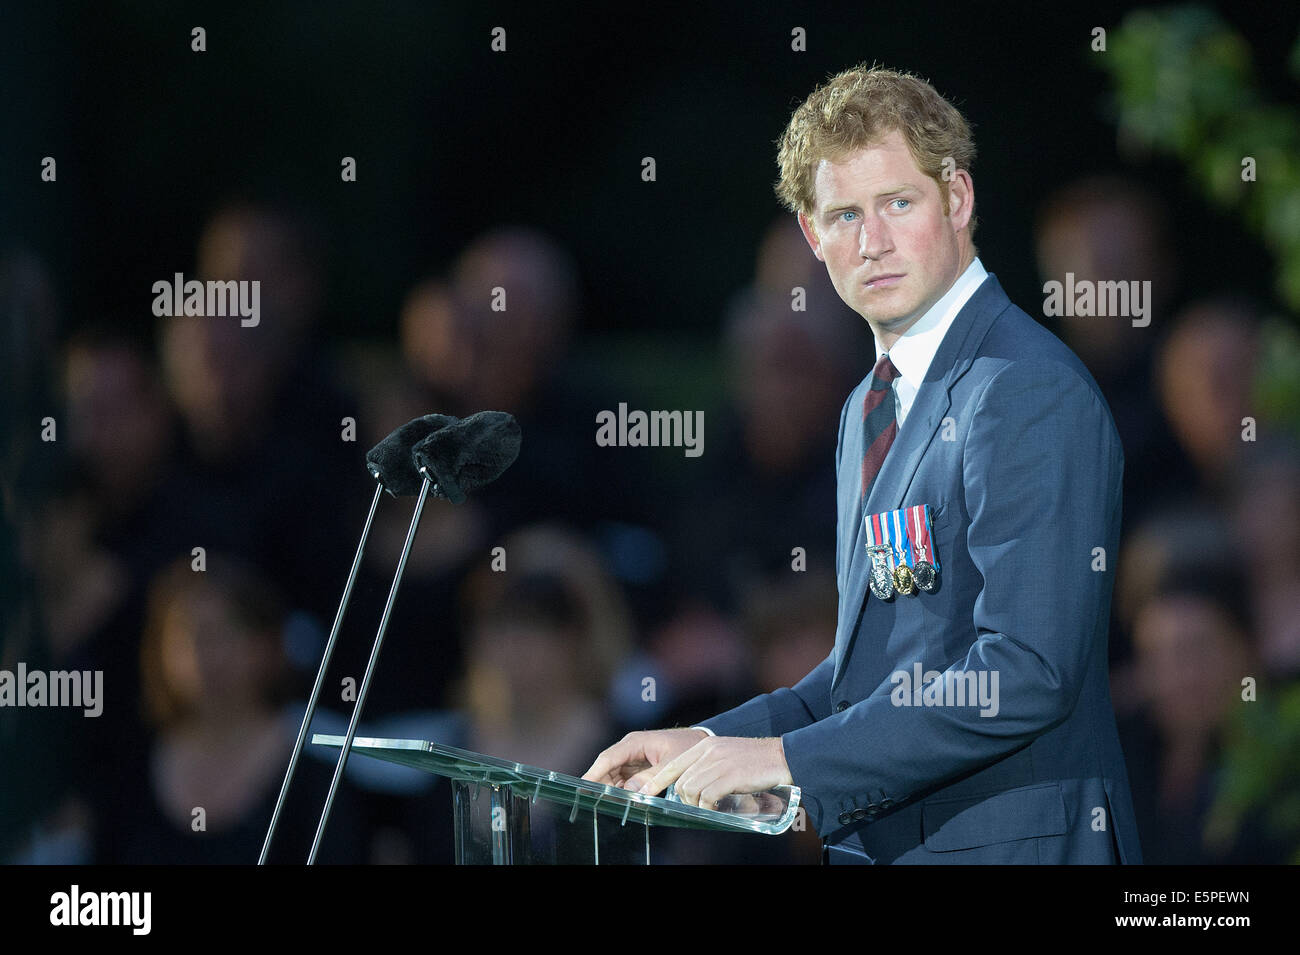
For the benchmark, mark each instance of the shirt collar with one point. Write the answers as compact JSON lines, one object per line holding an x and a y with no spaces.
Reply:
{"x":914,"y":351}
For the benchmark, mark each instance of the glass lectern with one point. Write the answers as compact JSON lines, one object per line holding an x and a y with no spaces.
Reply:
{"x":495,"y":804}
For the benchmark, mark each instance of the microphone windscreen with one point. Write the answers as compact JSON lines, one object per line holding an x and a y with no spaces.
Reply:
{"x":390,"y":460}
{"x":470,"y":453}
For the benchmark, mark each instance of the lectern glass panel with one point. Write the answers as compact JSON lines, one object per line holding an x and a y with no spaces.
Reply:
{"x":510,"y":813}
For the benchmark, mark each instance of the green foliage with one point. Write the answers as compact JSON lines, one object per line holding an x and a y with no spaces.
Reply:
{"x":1185,"y":87}
{"x":1277,"y":380}
{"x":1260,"y":777}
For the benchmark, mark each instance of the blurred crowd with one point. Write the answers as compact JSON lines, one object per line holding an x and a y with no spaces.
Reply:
{"x":189,"y":527}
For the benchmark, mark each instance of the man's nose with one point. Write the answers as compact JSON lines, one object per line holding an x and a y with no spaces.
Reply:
{"x":873,"y":239}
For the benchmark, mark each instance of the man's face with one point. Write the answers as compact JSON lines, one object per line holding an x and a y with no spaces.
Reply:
{"x":879,"y":225}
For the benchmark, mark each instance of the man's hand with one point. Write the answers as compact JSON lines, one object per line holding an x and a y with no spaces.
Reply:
{"x":634,"y":759}
{"x":718,"y":766}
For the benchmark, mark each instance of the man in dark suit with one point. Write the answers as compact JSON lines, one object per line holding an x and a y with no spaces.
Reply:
{"x":964,"y":714}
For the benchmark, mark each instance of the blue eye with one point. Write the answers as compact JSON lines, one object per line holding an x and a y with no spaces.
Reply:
{"x":846,"y":213}
{"x":905,"y":203}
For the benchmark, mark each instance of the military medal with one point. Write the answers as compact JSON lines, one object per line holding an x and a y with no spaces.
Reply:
{"x":924,"y":571}
{"x":903,"y":581}
{"x":923,"y":574}
{"x":900,"y":554}
{"x":882,"y":583}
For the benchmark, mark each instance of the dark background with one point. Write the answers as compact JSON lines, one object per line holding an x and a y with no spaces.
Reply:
{"x":450,"y":137}
{"x":451,"y":140}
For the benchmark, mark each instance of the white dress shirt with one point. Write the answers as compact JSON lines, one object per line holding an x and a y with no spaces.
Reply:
{"x":914,"y":351}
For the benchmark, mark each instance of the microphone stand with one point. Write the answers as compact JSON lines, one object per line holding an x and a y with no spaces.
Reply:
{"x":320,"y":675}
{"x":370,"y":666}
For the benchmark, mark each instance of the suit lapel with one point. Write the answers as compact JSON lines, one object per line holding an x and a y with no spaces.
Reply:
{"x":933,"y":399}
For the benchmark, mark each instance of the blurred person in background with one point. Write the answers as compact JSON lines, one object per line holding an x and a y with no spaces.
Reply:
{"x":515,"y":337}
{"x":109,"y":517}
{"x":545,"y":636}
{"x":459,"y":356}
{"x":1193,"y":644}
{"x":1184,"y":527}
{"x":497,"y":332}
{"x":496,"y":336}
{"x":1205,"y":371}
{"x":263,"y":419}
{"x":109,"y":526}
{"x":1256,"y":814}
{"x":1265,"y":512}
{"x":768,"y":484}
{"x":121,"y":516}
{"x":213,"y":671}
{"x":436,"y":345}
{"x":771,"y":484}
{"x":1109,"y":228}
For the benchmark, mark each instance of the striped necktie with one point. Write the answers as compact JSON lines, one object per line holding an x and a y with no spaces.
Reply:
{"x":879,"y":423}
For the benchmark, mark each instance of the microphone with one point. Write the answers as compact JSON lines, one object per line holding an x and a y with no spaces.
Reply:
{"x":467,"y":454}
{"x":390,"y":460}
{"x":390,"y":463}
{"x":451,"y":458}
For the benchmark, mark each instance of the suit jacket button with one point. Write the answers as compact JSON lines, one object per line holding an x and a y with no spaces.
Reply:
{"x":841,"y":706}
{"x":846,"y":818}
{"x":860,"y":814}
{"x":886,"y":803}
{"x":871,"y":811}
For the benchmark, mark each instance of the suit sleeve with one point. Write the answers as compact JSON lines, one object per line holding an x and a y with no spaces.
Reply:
{"x":1041,"y":472}
{"x":778,"y":712}
{"x":773,"y":714}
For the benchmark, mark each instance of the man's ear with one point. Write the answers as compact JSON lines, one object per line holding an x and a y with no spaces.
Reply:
{"x":810,"y":233}
{"x":961,"y":199}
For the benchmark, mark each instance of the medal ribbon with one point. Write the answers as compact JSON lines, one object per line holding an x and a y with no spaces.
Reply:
{"x":900,"y":544}
{"x":919,"y":528}
{"x":879,"y":533}
{"x":886,"y":537}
